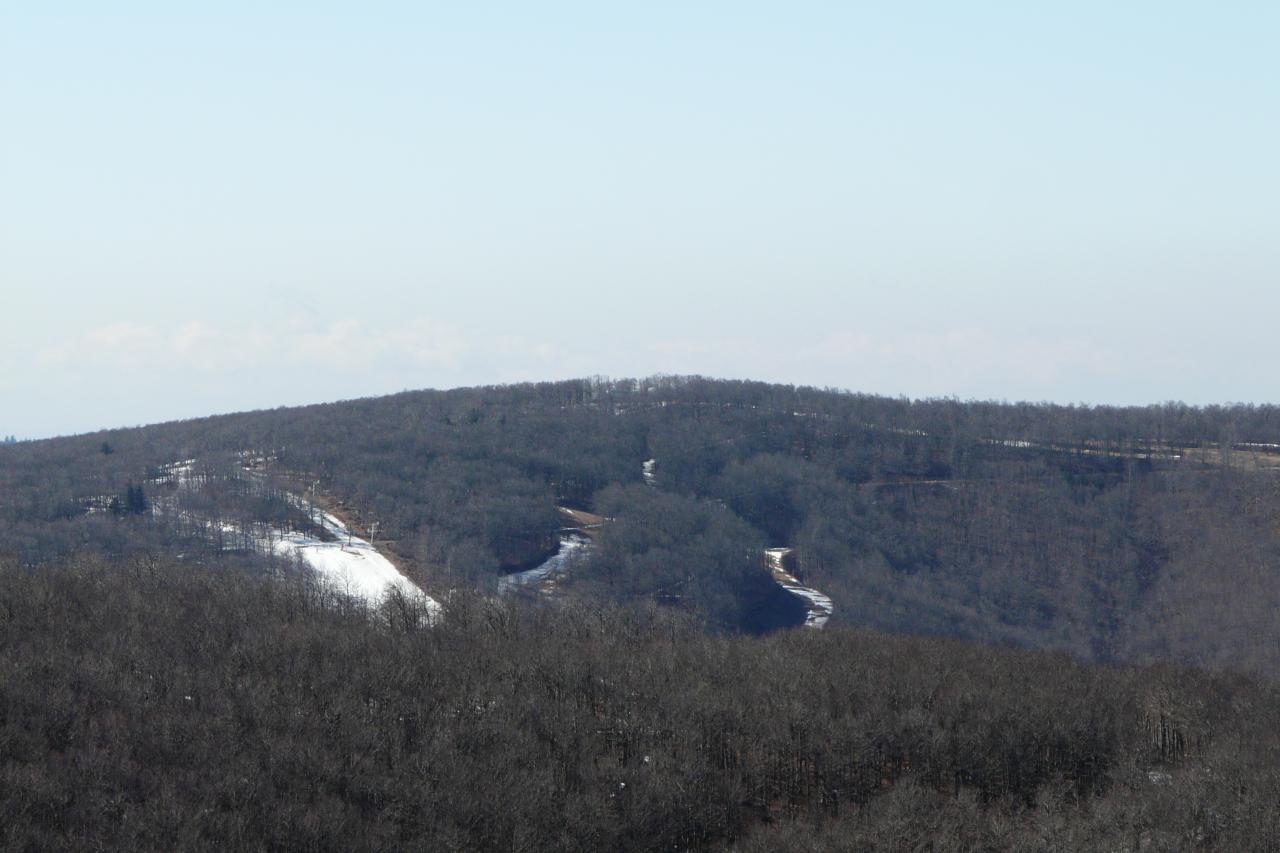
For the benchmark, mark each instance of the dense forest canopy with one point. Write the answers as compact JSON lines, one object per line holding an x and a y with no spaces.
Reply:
{"x":147,"y":705}
{"x":1144,"y":533}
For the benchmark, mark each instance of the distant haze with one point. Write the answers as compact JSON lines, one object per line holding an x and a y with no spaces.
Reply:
{"x":231,"y":206}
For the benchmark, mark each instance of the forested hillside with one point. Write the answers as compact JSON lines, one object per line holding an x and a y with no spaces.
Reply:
{"x":1128,"y":534}
{"x":146,"y":705}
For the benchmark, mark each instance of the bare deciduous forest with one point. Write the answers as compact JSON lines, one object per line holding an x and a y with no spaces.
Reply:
{"x":149,"y":706}
{"x":1053,"y":627}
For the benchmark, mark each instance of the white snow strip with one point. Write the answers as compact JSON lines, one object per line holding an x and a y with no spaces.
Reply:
{"x":818,"y":605}
{"x":570,"y":547}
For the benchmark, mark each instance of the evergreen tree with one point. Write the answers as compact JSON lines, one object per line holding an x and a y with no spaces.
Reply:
{"x":135,"y":501}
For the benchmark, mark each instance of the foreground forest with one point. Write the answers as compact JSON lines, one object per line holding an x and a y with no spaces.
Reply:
{"x":146,"y":705}
{"x":1112,"y":534}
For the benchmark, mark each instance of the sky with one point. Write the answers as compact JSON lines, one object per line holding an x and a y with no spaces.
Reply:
{"x":218,"y":207}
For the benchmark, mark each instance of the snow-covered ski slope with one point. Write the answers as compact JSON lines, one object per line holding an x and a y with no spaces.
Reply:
{"x":350,"y":564}
{"x":347,"y":563}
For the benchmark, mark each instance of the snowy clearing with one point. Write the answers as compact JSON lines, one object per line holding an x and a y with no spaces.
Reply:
{"x":350,"y":564}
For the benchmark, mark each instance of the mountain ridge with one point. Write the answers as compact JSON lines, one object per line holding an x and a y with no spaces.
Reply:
{"x":1091,"y":530}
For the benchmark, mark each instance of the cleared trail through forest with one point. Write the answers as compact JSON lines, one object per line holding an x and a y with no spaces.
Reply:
{"x":343,"y":560}
{"x":575,"y":540}
{"x":818,"y":606}
{"x":349,"y":563}
{"x":543,"y":577}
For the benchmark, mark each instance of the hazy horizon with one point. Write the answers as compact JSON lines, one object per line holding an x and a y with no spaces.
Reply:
{"x":228,"y":209}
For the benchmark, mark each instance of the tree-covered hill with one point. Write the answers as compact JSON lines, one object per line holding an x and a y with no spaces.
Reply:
{"x":1110,"y":533}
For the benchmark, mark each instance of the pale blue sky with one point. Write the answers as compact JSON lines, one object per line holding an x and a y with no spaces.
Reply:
{"x":206,"y":210}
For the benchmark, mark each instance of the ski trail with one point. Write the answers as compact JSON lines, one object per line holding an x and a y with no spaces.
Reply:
{"x":818,"y":606}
